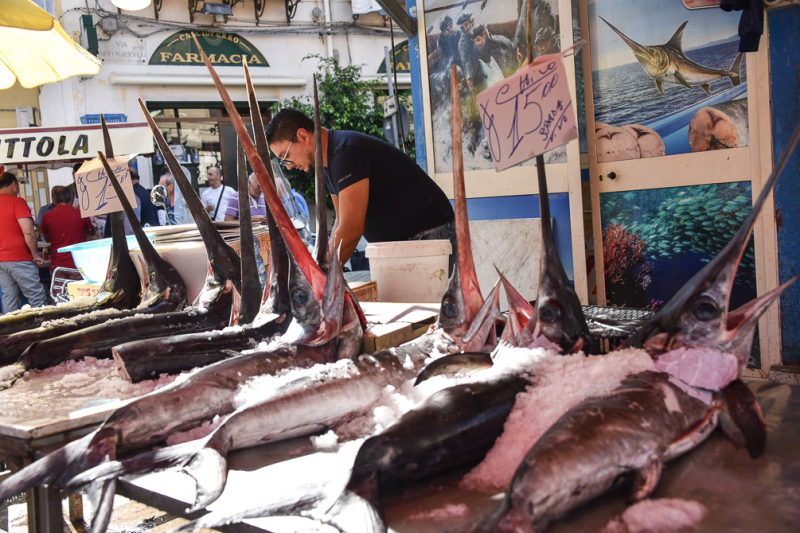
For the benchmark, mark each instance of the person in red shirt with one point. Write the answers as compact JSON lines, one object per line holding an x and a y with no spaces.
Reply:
{"x":19,"y":254}
{"x":64,"y":226}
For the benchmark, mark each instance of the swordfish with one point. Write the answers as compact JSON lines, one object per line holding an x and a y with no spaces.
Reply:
{"x":211,"y":309}
{"x":700,"y":351}
{"x":667,"y":63}
{"x":121,"y":288}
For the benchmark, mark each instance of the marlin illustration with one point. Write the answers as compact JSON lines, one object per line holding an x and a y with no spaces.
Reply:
{"x":667,"y":63}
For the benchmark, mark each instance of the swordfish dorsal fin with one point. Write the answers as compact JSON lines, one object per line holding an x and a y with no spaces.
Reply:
{"x":676,"y":41}
{"x":223,"y":260}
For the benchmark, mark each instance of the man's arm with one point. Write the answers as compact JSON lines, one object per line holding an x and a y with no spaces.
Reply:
{"x":351,"y":213}
{"x":26,"y":224}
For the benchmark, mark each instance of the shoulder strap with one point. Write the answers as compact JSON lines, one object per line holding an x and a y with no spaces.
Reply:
{"x":221,"y":193}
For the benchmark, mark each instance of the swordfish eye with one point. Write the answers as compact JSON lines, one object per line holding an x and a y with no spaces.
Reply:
{"x":705,"y":310}
{"x":299,"y":296}
{"x":449,"y":309}
{"x":549,"y":313}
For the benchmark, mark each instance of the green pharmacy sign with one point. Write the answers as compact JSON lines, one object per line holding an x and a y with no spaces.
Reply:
{"x":402,"y":62}
{"x":221,"y":48}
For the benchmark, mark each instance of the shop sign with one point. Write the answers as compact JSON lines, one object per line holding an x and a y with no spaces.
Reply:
{"x":220,"y":47}
{"x":402,"y":62}
{"x":28,"y":145}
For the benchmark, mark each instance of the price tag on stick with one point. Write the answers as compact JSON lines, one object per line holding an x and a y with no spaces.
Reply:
{"x":528,"y":113}
{"x":96,"y":195}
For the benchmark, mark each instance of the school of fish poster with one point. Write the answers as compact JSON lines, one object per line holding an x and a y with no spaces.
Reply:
{"x":666,"y":79}
{"x":487,"y":42}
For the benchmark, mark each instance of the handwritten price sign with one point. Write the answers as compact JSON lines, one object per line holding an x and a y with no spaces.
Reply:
{"x":528,"y":113}
{"x":95,"y":192}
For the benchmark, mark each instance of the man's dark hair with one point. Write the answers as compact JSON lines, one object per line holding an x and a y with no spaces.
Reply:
{"x":61,"y":195}
{"x":76,"y":167}
{"x":478,"y":31}
{"x":7,"y":179}
{"x":133,"y":173}
{"x":465,"y":17}
{"x":284,"y":125}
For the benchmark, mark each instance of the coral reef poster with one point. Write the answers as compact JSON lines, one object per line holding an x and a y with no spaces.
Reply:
{"x":655,"y":240}
{"x":667,"y":79}
{"x":487,"y":43}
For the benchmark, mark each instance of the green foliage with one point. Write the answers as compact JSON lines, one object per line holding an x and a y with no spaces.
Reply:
{"x":346,"y":103}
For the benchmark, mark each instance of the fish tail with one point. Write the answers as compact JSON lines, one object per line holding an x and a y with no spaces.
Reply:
{"x":735,"y":68}
{"x":143,"y":463}
{"x":307,"y":501}
{"x":102,"y":495}
{"x":47,"y":470}
{"x":351,"y":513}
{"x":209,"y":469}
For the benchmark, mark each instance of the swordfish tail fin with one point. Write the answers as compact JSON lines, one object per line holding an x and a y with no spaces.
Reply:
{"x":735,"y":69}
{"x":50,"y":469}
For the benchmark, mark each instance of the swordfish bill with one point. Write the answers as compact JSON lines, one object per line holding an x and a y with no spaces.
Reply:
{"x":251,"y":284}
{"x":276,"y":293}
{"x":556,"y":296}
{"x":305,"y":263}
{"x":466,"y":289}
{"x":121,"y":288}
{"x":321,"y":242}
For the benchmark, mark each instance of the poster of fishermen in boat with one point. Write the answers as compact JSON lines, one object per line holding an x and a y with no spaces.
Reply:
{"x":667,"y":79}
{"x":487,"y":44}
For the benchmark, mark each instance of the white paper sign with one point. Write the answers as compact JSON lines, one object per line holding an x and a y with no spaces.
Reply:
{"x":96,"y":194}
{"x":528,"y":113}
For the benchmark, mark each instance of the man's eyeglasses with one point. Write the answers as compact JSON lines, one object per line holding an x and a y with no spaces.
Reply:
{"x":282,"y":160}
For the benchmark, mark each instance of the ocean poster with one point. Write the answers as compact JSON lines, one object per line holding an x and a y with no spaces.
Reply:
{"x":667,"y":79}
{"x":487,"y":43}
{"x":655,"y":240}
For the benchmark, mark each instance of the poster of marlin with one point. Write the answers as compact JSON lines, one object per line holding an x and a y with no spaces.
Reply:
{"x":667,"y":79}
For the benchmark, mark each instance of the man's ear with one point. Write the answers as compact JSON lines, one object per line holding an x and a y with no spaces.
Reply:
{"x":304,"y":136}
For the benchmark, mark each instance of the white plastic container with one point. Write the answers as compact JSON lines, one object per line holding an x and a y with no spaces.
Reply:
{"x":410,"y":271}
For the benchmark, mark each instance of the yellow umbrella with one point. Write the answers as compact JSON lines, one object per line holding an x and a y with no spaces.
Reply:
{"x":35,"y":49}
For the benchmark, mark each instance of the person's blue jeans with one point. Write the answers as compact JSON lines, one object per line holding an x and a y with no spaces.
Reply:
{"x":16,"y":276}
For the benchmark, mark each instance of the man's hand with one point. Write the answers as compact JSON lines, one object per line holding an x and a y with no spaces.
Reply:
{"x":209,"y":208}
{"x":38,"y":260}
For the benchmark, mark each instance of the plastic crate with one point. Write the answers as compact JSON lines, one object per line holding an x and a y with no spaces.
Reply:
{"x":110,"y":119}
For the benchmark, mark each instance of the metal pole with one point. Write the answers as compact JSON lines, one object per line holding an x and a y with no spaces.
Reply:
{"x":395,"y":130}
{"x":401,"y":138}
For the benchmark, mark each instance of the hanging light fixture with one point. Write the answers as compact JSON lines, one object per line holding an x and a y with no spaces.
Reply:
{"x":131,"y":5}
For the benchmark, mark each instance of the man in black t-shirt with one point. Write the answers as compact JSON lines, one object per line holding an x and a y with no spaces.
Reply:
{"x":377,"y":190}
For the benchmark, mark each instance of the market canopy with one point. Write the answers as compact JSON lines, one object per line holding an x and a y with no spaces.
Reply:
{"x":35,"y":49}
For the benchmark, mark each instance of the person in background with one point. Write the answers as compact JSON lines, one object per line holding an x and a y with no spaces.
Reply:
{"x":64,"y":226}
{"x":45,"y":209}
{"x":377,"y":190}
{"x":168,"y":182}
{"x":19,"y":253}
{"x":258,"y":207}
{"x":148,"y":215}
{"x":216,"y":197}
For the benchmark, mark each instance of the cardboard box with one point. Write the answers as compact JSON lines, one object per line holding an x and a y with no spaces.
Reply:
{"x":365,"y":291}
{"x":391,"y":324}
